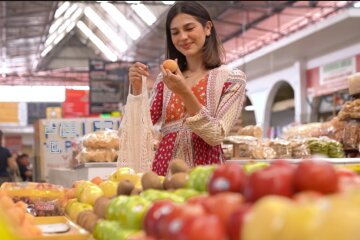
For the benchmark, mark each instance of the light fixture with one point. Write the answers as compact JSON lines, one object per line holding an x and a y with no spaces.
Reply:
{"x":109,"y":33}
{"x":99,"y":44}
{"x":168,"y":2}
{"x":61,"y":9}
{"x":70,"y":11}
{"x":46,"y":51}
{"x":55,"y":25}
{"x":50,"y":39}
{"x":129,"y":27}
{"x":32,"y":93}
{"x":249,"y":108}
{"x":144,"y":13}
{"x":357,"y":4}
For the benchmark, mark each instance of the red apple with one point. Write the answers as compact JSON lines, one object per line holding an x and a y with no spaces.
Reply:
{"x":316,"y":176}
{"x":272,"y":180}
{"x":236,"y":221}
{"x":205,"y":227}
{"x":152,"y":216}
{"x":223,"y":205}
{"x":227,"y":178}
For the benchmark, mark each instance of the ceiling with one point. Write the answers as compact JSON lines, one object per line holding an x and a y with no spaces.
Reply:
{"x":25,"y":26}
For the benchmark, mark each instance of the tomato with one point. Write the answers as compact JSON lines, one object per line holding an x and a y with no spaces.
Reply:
{"x":236,"y":221}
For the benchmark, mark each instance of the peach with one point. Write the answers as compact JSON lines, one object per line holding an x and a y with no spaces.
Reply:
{"x":170,"y":64}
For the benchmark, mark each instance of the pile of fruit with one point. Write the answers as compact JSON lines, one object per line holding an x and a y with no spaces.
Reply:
{"x":229,"y":202}
{"x":15,"y":219}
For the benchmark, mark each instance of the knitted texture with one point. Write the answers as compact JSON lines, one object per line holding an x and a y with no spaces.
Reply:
{"x":137,"y":133}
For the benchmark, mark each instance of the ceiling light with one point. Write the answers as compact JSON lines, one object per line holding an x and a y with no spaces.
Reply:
{"x":55,"y":25}
{"x":50,"y":39}
{"x":145,"y":14}
{"x":249,"y":108}
{"x":58,"y":39}
{"x":46,"y":51}
{"x":76,"y":14}
{"x":104,"y":49}
{"x":70,"y":27}
{"x":132,"y":2}
{"x":357,"y":5}
{"x":168,"y":2}
{"x":32,"y":93}
{"x":127,"y":25}
{"x":61,"y":9}
{"x":70,"y":11}
{"x":97,"y":20}
{"x":63,"y":26}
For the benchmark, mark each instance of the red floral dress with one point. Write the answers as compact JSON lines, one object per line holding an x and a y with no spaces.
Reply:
{"x":202,"y":152}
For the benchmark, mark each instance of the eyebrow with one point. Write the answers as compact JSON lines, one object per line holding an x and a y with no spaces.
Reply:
{"x":186,"y":25}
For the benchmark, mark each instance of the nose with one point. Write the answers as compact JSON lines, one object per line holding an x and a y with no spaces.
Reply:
{"x":182,"y":35}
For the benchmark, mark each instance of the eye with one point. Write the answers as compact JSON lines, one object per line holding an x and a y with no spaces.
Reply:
{"x":174,"y":33}
{"x":189,"y":29}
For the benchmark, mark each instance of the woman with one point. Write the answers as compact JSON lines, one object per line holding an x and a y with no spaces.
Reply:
{"x":198,"y":104}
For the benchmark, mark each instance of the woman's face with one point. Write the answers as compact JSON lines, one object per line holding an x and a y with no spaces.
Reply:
{"x":188,"y":35}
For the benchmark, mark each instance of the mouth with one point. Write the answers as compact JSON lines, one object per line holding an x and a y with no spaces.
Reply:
{"x":186,"y":46}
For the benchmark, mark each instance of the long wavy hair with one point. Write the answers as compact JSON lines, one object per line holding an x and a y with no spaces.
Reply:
{"x":213,"y":51}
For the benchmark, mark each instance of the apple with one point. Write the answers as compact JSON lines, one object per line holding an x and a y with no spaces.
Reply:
{"x":223,"y":205}
{"x":112,"y":211}
{"x":186,"y":193}
{"x":90,"y":193}
{"x":80,"y":187}
{"x":236,"y":221}
{"x":199,"y":177}
{"x":316,"y":176}
{"x":152,"y":216}
{"x":307,"y":196}
{"x":227,"y":178}
{"x":76,"y":208}
{"x":109,"y":188}
{"x":106,"y":229}
{"x":124,"y":173}
{"x":204,"y":227}
{"x":272,"y":180}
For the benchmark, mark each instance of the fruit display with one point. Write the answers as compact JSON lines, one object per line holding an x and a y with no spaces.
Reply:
{"x":223,"y":202}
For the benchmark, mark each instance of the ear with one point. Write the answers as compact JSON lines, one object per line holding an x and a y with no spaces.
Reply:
{"x":208,"y":27}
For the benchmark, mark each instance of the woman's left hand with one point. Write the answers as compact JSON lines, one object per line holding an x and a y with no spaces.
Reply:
{"x":175,"y":81}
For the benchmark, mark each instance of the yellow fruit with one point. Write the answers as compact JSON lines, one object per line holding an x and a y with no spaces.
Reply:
{"x":270,"y":213}
{"x":124,"y":173}
{"x":90,"y":194}
{"x":109,"y":188}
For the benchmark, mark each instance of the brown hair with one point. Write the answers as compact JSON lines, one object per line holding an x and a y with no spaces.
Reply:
{"x":213,"y":51}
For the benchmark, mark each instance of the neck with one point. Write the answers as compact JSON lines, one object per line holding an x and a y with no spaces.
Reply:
{"x":195,"y":63}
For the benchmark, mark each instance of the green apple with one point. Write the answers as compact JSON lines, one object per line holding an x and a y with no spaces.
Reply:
{"x":124,"y":173}
{"x":186,"y":193}
{"x":112,"y":212}
{"x":76,"y":208}
{"x":90,"y":193}
{"x":199,"y":177}
{"x":155,"y":194}
{"x":270,"y":213}
{"x":109,"y":188}
{"x":111,"y":230}
{"x":134,"y":209}
{"x":252,"y":167}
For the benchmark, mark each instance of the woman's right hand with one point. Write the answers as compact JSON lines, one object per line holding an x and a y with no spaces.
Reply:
{"x":137,"y":70}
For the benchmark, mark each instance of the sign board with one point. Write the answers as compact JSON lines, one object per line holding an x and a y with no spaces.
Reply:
{"x":76,"y":103}
{"x":337,"y":71}
{"x":109,"y":85}
{"x":54,"y":140}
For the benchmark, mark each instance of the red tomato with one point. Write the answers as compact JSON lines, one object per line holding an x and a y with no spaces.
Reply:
{"x":236,"y":221}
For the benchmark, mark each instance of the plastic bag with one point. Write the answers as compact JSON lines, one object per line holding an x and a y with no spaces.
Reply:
{"x":137,"y":134}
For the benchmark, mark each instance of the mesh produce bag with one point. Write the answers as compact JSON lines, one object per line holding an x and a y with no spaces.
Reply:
{"x":137,"y":134}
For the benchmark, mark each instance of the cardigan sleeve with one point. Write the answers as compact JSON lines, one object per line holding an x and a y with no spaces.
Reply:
{"x":214,"y":128}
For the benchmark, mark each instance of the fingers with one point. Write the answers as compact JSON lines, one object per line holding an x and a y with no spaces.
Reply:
{"x":138,"y":69}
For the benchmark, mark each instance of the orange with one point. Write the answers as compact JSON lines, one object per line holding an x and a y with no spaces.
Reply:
{"x":170,"y":64}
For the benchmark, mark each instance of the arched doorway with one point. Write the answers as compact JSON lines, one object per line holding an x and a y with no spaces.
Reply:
{"x":282,"y":110}
{"x":246,"y":118}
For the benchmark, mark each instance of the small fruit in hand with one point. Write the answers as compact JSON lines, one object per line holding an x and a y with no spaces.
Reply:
{"x":170,"y":64}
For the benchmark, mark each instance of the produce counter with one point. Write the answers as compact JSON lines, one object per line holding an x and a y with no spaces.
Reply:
{"x":66,"y":177}
{"x":336,"y":161}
